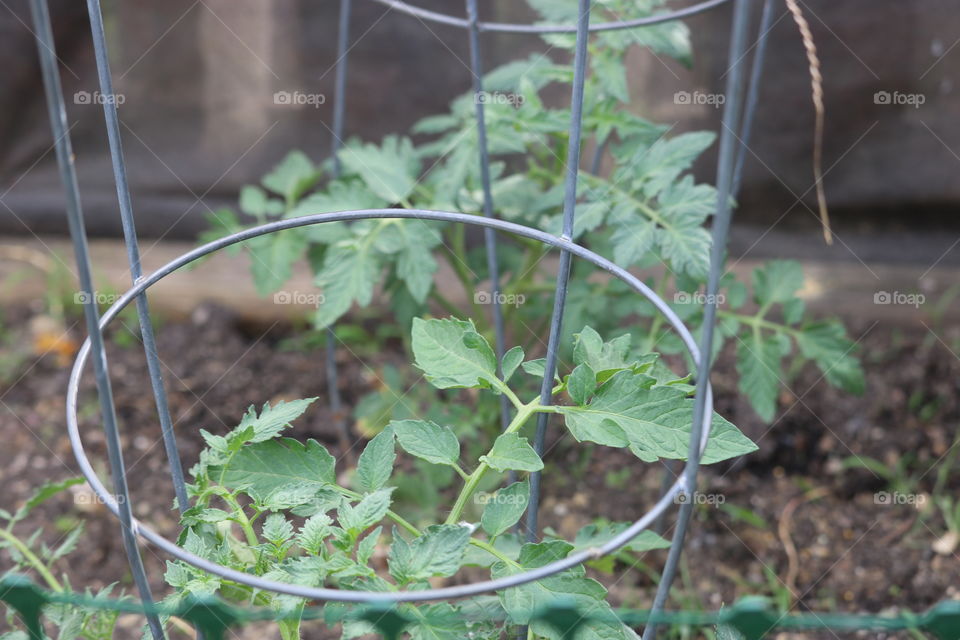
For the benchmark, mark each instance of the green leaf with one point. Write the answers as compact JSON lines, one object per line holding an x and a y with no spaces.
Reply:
{"x":581,"y":384}
{"x":269,"y":424}
{"x":439,"y":621}
{"x":349,"y":273}
{"x":687,"y":248}
{"x":264,"y":467}
{"x":375,"y":464}
{"x":511,"y":360}
{"x":368,"y":545}
{"x":315,"y":530}
{"x":390,"y":170}
{"x":633,"y":238}
{"x":276,"y":529}
{"x":452,"y":354}
{"x":667,"y":158}
{"x":654,"y":421}
{"x":603,"y":358}
{"x":254,"y":202}
{"x":511,"y":451}
{"x":366,"y":513}
{"x":438,"y":551}
{"x":826,"y":343}
{"x":427,"y":441}
{"x":292,"y":177}
{"x":339,"y":195}
{"x":43,"y":494}
{"x":593,"y":536}
{"x":570,"y":587}
{"x":272,"y":258}
{"x":777,"y":281}
{"x":505,"y":508}
{"x":758,"y":363}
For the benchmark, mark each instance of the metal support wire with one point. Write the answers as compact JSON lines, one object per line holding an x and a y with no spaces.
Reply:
{"x":721,"y":226}
{"x":68,"y":174}
{"x":563,"y":271}
{"x":339,"y":117}
{"x":133,"y":252}
{"x":489,"y":235}
{"x":753,"y":93}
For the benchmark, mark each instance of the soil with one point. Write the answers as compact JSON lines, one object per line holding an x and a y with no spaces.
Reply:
{"x":861,"y":544}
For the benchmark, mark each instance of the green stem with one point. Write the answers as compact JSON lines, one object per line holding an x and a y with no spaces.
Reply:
{"x":496,"y":553}
{"x":242,"y":519}
{"x":463,"y":474}
{"x":523,"y":414}
{"x":32,"y":558}
{"x":758,"y":322}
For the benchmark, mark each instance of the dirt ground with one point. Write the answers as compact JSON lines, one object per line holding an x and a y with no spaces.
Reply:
{"x":797,"y":522}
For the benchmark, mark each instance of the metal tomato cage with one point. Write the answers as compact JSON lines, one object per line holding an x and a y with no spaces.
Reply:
{"x":739,"y":108}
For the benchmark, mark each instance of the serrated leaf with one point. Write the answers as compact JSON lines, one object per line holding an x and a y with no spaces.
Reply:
{"x":452,"y":354}
{"x":505,"y":508}
{"x":368,"y":545}
{"x":271,"y":421}
{"x":438,"y":551}
{"x":777,"y":281}
{"x":511,"y":451}
{"x":315,"y":530}
{"x":758,"y":364}
{"x":594,"y":536}
{"x":272,"y":257}
{"x":254,"y":202}
{"x":633,"y":238}
{"x":43,"y":494}
{"x":438,"y":622}
{"x":390,"y":170}
{"x":667,"y":158}
{"x":826,"y":343}
{"x":366,"y":513}
{"x":292,"y":177}
{"x":654,"y":422}
{"x":349,"y":273}
{"x":265,"y":467}
{"x":427,"y":441}
{"x":276,"y":529}
{"x":375,"y":464}
{"x":603,"y":358}
{"x":339,"y":195}
{"x":511,"y":360}
{"x":687,"y":249}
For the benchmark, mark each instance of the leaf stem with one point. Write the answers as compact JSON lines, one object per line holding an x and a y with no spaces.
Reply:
{"x":241,"y":518}
{"x":758,"y":321}
{"x":523,"y":414}
{"x":32,"y":558}
{"x":496,"y":553}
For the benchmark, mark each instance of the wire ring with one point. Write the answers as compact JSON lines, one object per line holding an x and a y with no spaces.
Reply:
{"x":501,"y":27}
{"x":338,"y":595}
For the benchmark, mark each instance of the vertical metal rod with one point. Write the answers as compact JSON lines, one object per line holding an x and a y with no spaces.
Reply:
{"x":339,"y":115}
{"x":68,"y":174}
{"x":563,"y":272}
{"x":753,"y":92}
{"x":721,"y":227}
{"x":489,"y":235}
{"x":133,"y":252}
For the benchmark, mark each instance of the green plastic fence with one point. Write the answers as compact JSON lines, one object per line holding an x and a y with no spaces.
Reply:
{"x":752,"y":616}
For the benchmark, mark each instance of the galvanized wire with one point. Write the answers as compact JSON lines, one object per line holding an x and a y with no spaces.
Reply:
{"x":68,"y":174}
{"x":572,"y":170}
